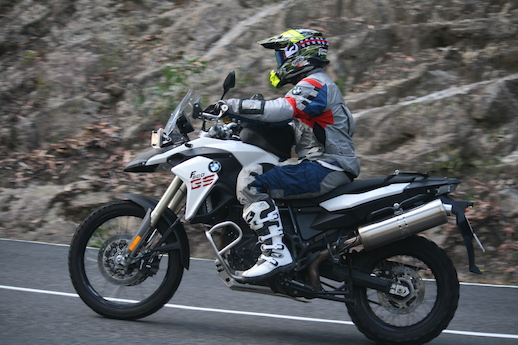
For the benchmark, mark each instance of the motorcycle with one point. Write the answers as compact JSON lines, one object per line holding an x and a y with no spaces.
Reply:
{"x":356,"y":245}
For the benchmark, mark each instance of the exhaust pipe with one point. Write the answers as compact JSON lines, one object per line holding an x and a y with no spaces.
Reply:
{"x":404,"y":225}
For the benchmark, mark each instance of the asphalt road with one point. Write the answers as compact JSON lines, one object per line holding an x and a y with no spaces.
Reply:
{"x":38,"y":305}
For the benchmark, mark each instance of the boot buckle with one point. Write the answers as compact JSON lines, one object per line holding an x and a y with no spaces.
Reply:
{"x":267,"y":247}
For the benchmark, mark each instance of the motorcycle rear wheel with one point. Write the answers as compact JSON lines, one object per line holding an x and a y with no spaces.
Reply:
{"x":428,"y":304}
{"x":114,"y":290}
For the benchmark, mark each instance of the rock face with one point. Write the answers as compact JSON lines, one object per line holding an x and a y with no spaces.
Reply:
{"x":470,"y":128}
{"x":433,"y":86}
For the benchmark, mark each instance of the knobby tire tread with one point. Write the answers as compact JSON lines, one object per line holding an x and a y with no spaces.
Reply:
{"x":443,"y":269}
{"x":80,"y":281}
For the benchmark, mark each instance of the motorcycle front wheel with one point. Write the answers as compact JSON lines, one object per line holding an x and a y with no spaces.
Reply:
{"x":425,"y":303}
{"x":110,"y":288}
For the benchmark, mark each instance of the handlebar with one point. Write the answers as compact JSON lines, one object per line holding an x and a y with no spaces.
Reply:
{"x":212,"y":117}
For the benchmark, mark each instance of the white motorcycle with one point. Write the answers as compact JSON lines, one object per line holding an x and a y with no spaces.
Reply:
{"x":356,"y":245}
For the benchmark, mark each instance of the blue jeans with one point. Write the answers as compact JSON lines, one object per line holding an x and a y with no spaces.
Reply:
{"x":306,"y":179}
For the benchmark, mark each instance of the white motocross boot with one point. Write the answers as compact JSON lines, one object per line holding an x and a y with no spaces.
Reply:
{"x":263,"y":217}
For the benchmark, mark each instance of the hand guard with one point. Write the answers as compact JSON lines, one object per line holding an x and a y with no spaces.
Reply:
{"x":218,"y":108}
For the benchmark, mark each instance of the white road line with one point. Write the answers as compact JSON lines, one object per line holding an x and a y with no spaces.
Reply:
{"x":250,"y":313}
{"x":277,"y":316}
{"x":482,"y":334}
{"x":46,"y":292}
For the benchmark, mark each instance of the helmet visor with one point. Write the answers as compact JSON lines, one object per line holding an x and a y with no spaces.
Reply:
{"x":280,"y":56}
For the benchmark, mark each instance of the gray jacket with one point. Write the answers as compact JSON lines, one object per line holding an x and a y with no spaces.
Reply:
{"x":323,"y":124}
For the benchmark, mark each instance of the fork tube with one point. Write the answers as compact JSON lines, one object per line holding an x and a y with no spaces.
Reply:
{"x":178,"y":197}
{"x":152,"y":217}
{"x":165,"y":200}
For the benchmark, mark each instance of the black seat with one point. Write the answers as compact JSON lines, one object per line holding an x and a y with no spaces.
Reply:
{"x":361,"y":186}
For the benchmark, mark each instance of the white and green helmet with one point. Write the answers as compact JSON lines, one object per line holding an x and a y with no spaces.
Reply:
{"x":297,"y":51}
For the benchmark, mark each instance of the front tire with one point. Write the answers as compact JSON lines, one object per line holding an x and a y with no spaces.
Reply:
{"x":427,"y":303}
{"x":111,"y":289}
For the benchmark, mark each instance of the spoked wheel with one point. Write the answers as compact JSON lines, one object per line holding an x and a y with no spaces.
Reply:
{"x":424,"y":297}
{"x":100,"y":274}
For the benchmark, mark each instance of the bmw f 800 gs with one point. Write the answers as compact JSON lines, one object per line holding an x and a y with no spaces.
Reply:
{"x":357,"y":245}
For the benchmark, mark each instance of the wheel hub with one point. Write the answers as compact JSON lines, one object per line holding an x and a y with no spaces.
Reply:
{"x":412,"y":290}
{"x":112,"y":262}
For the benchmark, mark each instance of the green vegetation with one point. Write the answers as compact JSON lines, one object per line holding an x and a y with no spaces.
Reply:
{"x":160,"y":99}
{"x":28,"y":56}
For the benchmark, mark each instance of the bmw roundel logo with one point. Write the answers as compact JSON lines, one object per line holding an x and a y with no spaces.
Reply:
{"x":214,"y":166}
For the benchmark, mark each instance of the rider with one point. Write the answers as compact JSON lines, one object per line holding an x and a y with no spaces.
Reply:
{"x":323,"y":127}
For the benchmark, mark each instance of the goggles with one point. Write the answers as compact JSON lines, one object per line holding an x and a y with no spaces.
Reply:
{"x":280,"y":55}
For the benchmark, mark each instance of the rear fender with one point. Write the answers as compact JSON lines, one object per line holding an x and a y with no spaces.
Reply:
{"x":146,"y":203}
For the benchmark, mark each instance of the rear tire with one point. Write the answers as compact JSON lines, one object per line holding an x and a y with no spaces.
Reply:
{"x":113,"y":290}
{"x":422,"y":312}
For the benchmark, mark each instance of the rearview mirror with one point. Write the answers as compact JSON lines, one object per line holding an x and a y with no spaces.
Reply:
{"x":229,"y":83}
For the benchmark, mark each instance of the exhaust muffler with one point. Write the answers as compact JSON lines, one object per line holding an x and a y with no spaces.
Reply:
{"x":422,"y":218}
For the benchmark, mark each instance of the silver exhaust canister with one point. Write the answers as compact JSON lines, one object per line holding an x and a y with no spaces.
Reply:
{"x":422,"y":218}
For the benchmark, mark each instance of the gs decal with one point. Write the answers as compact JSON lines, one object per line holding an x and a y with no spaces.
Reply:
{"x":201,"y":180}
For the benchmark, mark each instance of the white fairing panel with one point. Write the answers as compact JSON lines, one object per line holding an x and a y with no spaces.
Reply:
{"x":199,"y":177}
{"x":201,"y":173}
{"x":246,"y":154}
{"x":346,"y":201}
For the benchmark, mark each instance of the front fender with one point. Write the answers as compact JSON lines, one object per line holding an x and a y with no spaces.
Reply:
{"x":148,"y":202}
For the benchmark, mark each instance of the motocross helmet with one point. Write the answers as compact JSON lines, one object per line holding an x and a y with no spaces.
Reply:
{"x":297,"y":51}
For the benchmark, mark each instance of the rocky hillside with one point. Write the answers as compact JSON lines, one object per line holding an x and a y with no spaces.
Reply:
{"x":433,"y":85}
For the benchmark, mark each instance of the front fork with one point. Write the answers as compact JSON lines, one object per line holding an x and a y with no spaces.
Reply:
{"x":171,"y":199}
